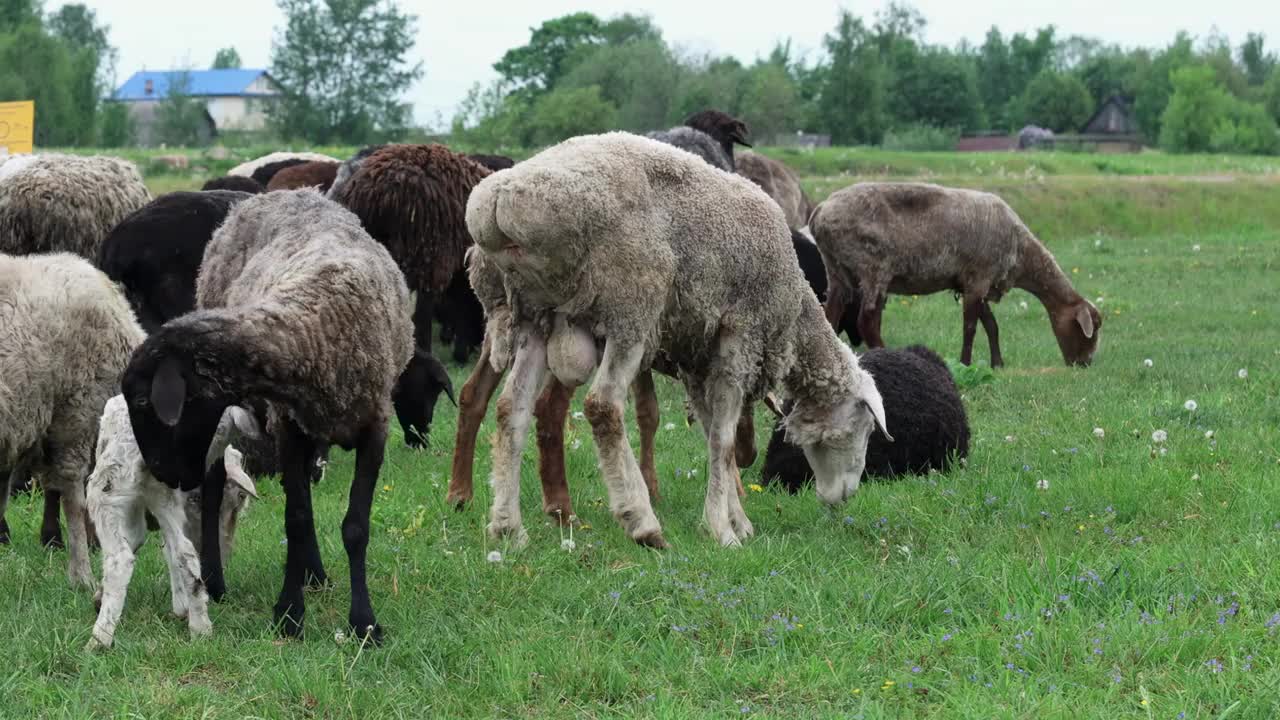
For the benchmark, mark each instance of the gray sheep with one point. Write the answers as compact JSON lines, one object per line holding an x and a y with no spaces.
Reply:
{"x":66,"y":334}
{"x":616,"y":248}
{"x":917,"y":238}
{"x":65,"y":203}
{"x":296,"y":306}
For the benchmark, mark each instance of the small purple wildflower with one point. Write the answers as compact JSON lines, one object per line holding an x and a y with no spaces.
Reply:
{"x":1108,"y":510}
{"x":1066,"y":509}
{"x":948,"y":612}
{"x":1026,"y":468}
{"x":1106,"y":529}
{"x":1248,"y":663}
{"x":915,"y":669}
{"x":1214,"y":665}
{"x":946,"y":637}
{"x":614,"y":594}
{"x":773,"y":573}
{"x":1147,"y":618}
{"x":1273,"y":622}
{"x":744,"y":709}
{"x":991,"y":499}
{"x":848,"y":520}
{"x":1064,"y":598}
{"x":1045,"y":514}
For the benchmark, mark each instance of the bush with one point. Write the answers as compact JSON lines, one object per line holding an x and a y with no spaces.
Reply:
{"x":921,"y":138}
{"x":566,"y":112}
{"x":1247,"y":129}
{"x":1196,"y":111}
{"x":1057,"y":101}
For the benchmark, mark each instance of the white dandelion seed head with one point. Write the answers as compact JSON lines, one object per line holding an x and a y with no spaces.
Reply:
{"x":494,"y":556}
{"x":1147,"y":363}
{"x":339,"y":637}
{"x":1159,"y":436}
{"x":568,"y":544}
{"x":1195,"y":477}
{"x":1195,"y":248}
{"x":1099,"y":433}
{"x":1164,"y":451}
{"x":1242,"y":373}
{"x":1097,"y":243}
{"x":1009,"y":438}
{"x":669,"y":426}
{"x":577,"y":415}
{"x":1098,"y":300}
{"x":1042,"y":484}
{"x":1023,"y":305}
{"x":577,"y":443}
{"x":1190,"y":405}
{"x":1208,"y":434}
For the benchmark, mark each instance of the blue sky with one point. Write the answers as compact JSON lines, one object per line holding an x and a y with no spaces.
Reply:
{"x":459,"y":40}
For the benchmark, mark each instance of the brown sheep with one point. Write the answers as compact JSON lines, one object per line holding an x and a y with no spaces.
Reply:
{"x":917,"y":238}
{"x":317,"y":174}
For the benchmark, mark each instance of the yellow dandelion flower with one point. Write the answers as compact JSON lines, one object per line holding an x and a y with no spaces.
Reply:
{"x":890,"y":682}
{"x":1080,"y":528}
{"x":387,"y":488}
{"x":1075,"y":271}
{"x":857,"y":691}
{"x":755,"y":488}
{"x":1144,"y":701}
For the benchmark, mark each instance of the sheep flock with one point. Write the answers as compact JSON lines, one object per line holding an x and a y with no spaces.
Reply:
{"x":200,"y":338}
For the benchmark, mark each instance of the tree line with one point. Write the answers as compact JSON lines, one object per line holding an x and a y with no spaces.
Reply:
{"x":876,"y":82}
{"x":344,"y":66}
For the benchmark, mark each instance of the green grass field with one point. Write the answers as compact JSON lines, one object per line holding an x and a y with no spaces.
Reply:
{"x":1058,"y":575}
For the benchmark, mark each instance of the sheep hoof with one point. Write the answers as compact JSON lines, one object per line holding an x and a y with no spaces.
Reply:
{"x":458,"y":500}
{"x":97,"y":601}
{"x":561,"y":514}
{"x":289,"y":619}
{"x":51,"y":541}
{"x":200,"y":628}
{"x":653,"y":539}
{"x":82,"y":580}
{"x":515,"y":534}
{"x":316,"y":581}
{"x":371,"y":634}
{"x":98,"y":643}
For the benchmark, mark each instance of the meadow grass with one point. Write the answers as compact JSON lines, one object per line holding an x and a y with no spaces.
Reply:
{"x":1058,"y":574}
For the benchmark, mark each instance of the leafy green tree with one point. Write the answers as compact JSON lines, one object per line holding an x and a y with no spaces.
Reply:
{"x":1058,"y":101}
{"x":1257,"y":62}
{"x":940,"y":89}
{"x":115,"y":126}
{"x":1155,"y":84}
{"x":180,"y":118}
{"x":1271,"y":94}
{"x":539,"y":65}
{"x":1247,"y":128}
{"x":1198,"y":106}
{"x":15,"y":13}
{"x":566,"y":112}
{"x":227,"y":58}
{"x":708,"y":83}
{"x":640,"y":78}
{"x":853,"y":98}
{"x":995,"y":76}
{"x":1109,"y":72}
{"x":93,"y":61}
{"x":769,"y":102}
{"x":343,"y":66}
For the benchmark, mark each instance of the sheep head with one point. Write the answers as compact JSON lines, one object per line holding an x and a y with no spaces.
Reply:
{"x":834,"y":435}
{"x":235,"y":500}
{"x":415,"y":396}
{"x":1077,"y":327}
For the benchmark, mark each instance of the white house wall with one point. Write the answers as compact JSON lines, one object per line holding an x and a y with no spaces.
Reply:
{"x":238,"y":113}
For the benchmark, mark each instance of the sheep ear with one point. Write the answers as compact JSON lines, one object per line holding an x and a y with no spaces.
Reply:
{"x":1085,"y":320}
{"x":168,"y":392}
{"x":245,"y":423}
{"x":437,"y":372}
{"x":875,"y":404}
{"x":233,"y":459}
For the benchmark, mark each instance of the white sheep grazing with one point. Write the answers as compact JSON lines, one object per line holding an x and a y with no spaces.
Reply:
{"x":121,"y":491}
{"x":621,"y":241}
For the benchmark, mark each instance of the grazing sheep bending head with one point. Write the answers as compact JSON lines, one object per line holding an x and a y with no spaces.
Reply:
{"x":642,"y":248}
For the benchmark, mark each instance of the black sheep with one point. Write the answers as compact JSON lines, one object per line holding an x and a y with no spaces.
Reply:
{"x":264,"y":174}
{"x":815,"y":272}
{"x":923,"y":411}
{"x":239,"y":183}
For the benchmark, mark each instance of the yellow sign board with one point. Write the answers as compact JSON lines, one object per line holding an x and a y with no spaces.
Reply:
{"x":17,"y":126}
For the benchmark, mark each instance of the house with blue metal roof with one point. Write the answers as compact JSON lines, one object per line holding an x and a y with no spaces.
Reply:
{"x":237,"y":99}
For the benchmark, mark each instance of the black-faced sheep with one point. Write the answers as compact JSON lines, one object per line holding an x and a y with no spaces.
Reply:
{"x":66,"y":334}
{"x":266,"y":173}
{"x":917,"y":238}
{"x":248,"y":168}
{"x":318,"y":174}
{"x":921,"y":404}
{"x":237,"y":183}
{"x":299,"y":307}
{"x":587,"y":235}
{"x":65,"y":203}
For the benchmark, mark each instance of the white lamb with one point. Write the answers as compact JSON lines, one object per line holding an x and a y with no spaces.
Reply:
{"x":121,"y":491}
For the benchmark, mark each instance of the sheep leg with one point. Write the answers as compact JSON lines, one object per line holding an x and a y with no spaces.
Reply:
{"x":647,"y":418}
{"x":355,"y":530}
{"x":550,"y":412}
{"x":972,"y":309}
{"x":422,"y":312}
{"x":869,"y":320}
{"x":988,"y":319}
{"x":69,"y":482}
{"x":8,"y":485}
{"x":605,"y":408}
{"x":515,"y":411}
{"x":723,"y":508}
{"x":472,"y":402}
{"x":215,"y":481}
{"x":835,"y":305}
{"x":184,"y":570}
{"x":744,"y":442}
{"x":296,"y":449}
{"x":117,"y":569}
{"x":50,"y":522}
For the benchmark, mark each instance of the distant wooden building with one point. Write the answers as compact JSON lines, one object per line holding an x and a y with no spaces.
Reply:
{"x":987,"y":142}
{"x":1113,"y":128}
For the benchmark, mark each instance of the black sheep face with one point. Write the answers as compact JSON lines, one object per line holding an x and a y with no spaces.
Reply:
{"x":415,"y":396}
{"x":172,"y":423}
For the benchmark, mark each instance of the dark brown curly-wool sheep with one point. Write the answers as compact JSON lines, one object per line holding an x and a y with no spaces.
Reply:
{"x":317,"y":174}
{"x":413,"y":200}
{"x":493,"y":162}
{"x":238,"y":183}
{"x":65,"y":203}
{"x":921,"y":404}
{"x":723,"y":127}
